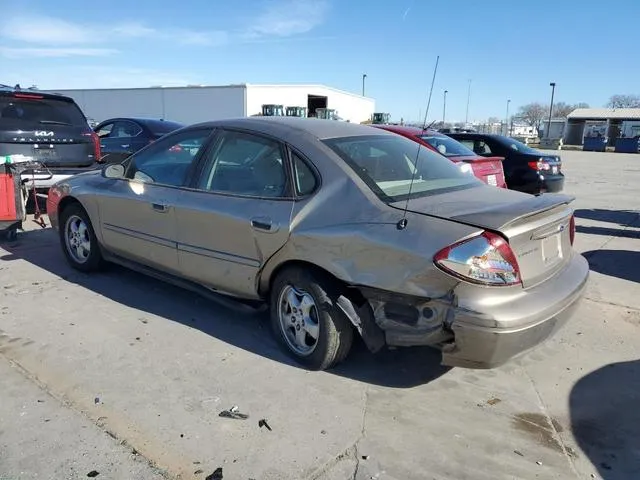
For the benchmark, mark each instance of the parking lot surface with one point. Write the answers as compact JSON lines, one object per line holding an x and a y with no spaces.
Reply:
{"x":136,"y":372}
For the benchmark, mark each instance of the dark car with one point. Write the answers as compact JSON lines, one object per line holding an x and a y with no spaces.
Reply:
{"x":487,"y":169}
{"x":46,"y":128}
{"x":526,"y":169}
{"x":120,"y":137}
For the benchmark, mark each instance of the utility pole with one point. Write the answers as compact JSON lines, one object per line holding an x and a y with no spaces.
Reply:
{"x":444,"y":108}
{"x":553,"y":90}
{"x":466,"y":118}
{"x":506,"y":121}
{"x":364,"y":75}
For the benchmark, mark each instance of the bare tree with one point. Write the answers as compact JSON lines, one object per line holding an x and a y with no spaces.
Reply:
{"x":533,"y":114}
{"x":562,"y":109}
{"x":492,"y":120}
{"x":624,"y":101}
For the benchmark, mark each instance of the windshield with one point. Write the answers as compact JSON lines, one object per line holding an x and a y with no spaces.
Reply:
{"x":518,"y":146}
{"x":41,"y":111}
{"x":386,"y":164}
{"x":447,"y":146}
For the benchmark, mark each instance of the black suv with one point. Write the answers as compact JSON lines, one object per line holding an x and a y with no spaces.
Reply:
{"x":46,"y":128}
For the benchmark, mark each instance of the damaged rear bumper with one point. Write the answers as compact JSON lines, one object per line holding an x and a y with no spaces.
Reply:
{"x":482,"y":330}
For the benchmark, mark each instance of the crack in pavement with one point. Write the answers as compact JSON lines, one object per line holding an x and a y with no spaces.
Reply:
{"x":351,"y":451}
{"x":612,"y":304}
{"x":550,"y":422}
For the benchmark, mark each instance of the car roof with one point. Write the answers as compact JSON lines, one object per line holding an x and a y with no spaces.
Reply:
{"x":408,"y":130}
{"x":318,"y":128}
{"x":6,"y":92}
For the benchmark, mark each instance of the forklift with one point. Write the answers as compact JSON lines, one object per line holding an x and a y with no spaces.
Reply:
{"x":296,"y":112}
{"x":381,"y":118}
{"x":270,"y":110}
{"x":327,"y":113}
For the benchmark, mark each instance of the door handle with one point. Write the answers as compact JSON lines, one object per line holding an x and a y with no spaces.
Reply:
{"x":159,"y":207}
{"x":262,"y":224}
{"x":125,"y":146}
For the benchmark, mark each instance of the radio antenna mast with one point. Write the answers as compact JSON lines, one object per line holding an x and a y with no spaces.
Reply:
{"x":402,"y":224}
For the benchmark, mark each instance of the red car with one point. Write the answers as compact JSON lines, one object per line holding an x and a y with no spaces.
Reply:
{"x":487,"y":169}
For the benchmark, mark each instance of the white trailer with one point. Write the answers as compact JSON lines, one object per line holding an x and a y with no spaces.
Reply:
{"x":193,"y":104}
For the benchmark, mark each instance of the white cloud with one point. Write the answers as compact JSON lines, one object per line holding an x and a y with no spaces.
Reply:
{"x":283,"y":18}
{"x":21,"y":53}
{"x":85,"y":76}
{"x":42,"y":30}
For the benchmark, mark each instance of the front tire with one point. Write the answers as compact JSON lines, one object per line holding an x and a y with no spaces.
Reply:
{"x":78,"y":239}
{"x":306,"y":320}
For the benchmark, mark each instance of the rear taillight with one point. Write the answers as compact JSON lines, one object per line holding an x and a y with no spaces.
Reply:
{"x":486,"y":259}
{"x":540,"y":165}
{"x":572,"y":229}
{"x":96,"y":145}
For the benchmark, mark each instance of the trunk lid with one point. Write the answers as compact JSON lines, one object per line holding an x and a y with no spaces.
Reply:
{"x":536,"y":227}
{"x":487,"y":169}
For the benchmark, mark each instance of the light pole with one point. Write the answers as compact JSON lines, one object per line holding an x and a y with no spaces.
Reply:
{"x":364,"y":75}
{"x":444,"y":107}
{"x":466,"y":117}
{"x":506,"y":121}
{"x":553,"y":90}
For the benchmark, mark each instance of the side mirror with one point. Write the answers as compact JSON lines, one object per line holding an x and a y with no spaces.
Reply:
{"x":114,"y":170}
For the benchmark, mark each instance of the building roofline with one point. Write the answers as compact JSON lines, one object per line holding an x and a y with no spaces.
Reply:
{"x":193,"y":87}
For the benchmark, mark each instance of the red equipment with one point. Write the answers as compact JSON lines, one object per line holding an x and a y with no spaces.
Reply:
{"x":13,"y":196}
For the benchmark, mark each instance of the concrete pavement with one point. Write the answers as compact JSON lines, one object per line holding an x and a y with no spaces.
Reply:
{"x":163,"y":363}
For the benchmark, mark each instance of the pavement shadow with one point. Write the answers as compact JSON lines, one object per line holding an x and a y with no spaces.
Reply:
{"x":609,"y":232}
{"x":605,"y":419}
{"x":615,"y":263}
{"x":402,"y":368}
{"x":621,"y":217}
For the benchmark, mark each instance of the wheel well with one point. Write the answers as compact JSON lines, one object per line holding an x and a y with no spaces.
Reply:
{"x":65,"y":202}
{"x":264,"y":293}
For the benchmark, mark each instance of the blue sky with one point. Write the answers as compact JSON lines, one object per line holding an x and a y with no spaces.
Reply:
{"x":509,"y":50}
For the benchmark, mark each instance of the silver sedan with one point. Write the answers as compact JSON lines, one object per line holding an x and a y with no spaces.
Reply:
{"x":339,"y":229}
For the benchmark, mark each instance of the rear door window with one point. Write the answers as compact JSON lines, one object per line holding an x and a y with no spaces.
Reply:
{"x":28,"y":109}
{"x":124,"y":129}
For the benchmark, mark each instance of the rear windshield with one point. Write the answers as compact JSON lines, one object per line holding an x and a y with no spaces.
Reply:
{"x":164,"y":127}
{"x":447,"y":146}
{"x":518,"y":146}
{"x":389,"y":165}
{"x":42,"y":111}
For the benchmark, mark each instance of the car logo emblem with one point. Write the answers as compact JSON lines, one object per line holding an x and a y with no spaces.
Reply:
{"x":43,"y":133}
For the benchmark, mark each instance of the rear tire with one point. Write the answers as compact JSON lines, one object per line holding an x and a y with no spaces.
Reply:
{"x":78,"y":239}
{"x":306,"y":320}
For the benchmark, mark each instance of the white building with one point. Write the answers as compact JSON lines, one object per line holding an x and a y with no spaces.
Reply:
{"x":193,"y":104}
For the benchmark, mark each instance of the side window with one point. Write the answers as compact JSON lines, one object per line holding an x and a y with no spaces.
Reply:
{"x":245,"y":164}
{"x":105,"y":130}
{"x":168,"y":161}
{"x":482,"y":148}
{"x":125,"y":129}
{"x":305,"y":179}
{"x":467,"y":143}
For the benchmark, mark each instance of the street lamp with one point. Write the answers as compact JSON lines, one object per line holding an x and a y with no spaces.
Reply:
{"x":466,"y":118}
{"x":444,"y":107}
{"x":553,"y":90}
{"x":364,"y":75}
{"x":506,"y":121}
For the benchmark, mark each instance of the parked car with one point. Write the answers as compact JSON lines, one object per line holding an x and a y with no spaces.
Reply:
{"x":47,"y":128}
{"x":120,"y":137}
{"x":487,"y":169}
{"x":526,"y":169}
{"x":338,"y":230}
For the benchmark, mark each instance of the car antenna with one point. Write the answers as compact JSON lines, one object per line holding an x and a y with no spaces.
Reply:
{"x":402,"y":224}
